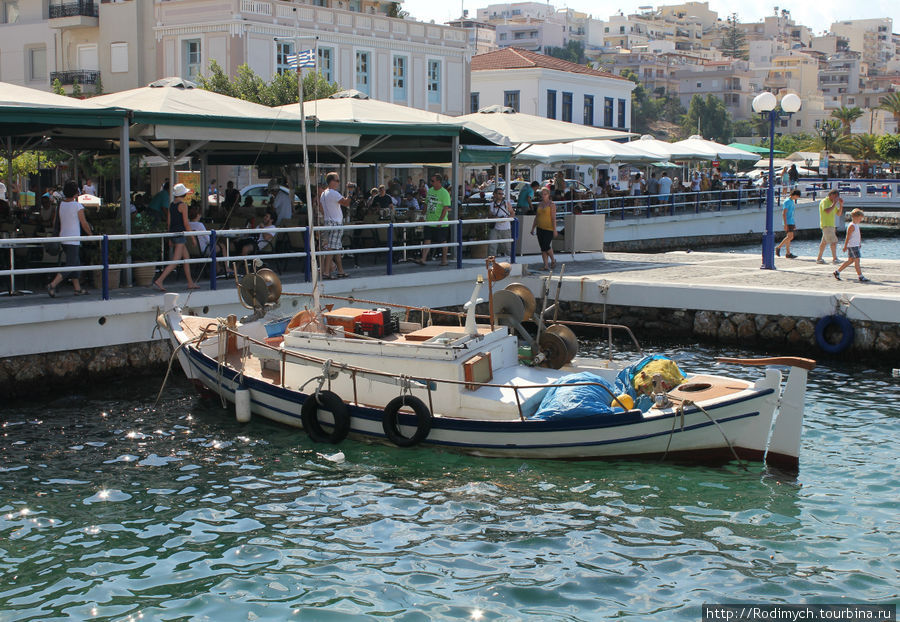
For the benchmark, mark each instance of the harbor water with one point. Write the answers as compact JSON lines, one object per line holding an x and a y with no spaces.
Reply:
{"x":113,"y":509}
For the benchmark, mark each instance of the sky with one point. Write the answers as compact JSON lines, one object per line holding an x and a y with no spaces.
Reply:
{"x":817,"y":15}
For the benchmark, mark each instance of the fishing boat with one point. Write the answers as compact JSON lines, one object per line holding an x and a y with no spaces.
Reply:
{"x":481,"y":388}
{"x":487,"y":389}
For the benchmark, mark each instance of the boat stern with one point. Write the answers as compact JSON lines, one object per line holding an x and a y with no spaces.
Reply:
{"x":784,"y":445}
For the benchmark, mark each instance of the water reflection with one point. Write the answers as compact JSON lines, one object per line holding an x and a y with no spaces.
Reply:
{"x":112,"y":509}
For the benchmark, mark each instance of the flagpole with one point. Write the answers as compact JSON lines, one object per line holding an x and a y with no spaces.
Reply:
{"x":314,"y":264}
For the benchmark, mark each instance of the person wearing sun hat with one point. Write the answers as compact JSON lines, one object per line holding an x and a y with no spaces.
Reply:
{"x":177,"y":221}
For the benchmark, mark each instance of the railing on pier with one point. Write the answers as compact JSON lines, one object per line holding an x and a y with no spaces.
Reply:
{"x":396,"y":235}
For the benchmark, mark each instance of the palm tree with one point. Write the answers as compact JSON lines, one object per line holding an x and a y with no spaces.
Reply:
{"x":829,"y":137}
{"x":863,"y":147}
{"x":847,"y":116}
{"x":891,"y":103}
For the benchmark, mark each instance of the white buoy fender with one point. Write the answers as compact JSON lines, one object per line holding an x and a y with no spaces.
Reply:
{"x":242,"y":405}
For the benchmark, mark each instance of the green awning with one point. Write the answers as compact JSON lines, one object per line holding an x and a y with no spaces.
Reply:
{"x":485,"y":154}
{"x":752,"y":148}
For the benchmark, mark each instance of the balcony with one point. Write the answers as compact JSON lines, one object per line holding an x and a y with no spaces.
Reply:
{"x":79,"y":14}
{"x":82,"y":76}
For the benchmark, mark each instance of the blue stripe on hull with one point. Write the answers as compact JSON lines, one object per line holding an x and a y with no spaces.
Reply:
{"x":207,"y":368}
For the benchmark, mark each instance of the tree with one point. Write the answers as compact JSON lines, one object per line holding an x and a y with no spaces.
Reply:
{"x":847,"y":116}
{"x":734,"y":41}
{"x":710,"y":117}
{"x":282,"y":90}
{"x":863,"y":146}
{"x":888,"y":147}
{"x":745,"y":127}
{"x":572,"y":52}
{"x":891,"y":103}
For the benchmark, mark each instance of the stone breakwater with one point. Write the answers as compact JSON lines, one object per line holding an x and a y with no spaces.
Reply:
{"x":22,"y":376}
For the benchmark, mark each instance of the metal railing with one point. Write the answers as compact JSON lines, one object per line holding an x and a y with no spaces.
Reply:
{"x":82,"y":76}
{"x":84,"y":8}
{"x":281,"y":251}
{"x":657,"y":205}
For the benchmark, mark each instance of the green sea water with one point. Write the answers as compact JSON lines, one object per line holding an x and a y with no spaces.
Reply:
{"x":111,"y":509}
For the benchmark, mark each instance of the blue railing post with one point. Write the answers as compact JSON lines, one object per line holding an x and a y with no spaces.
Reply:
{"x":595,"y":204}
{"x":739,"y":198}
{"x":307,"y":267}
{"x":515,"y":237}
{"x":104,"y":256}
{"x":671,"y":204}
{"x":623,"y":209}
{"x":213,"y":268}
{"x":720,"y":200}
{"x":459,"y":246}
{"x":390,"y":257}
{"x":648,"y":206}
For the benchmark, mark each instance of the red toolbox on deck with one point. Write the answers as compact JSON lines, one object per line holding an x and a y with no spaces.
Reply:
{"x":375,"y":323}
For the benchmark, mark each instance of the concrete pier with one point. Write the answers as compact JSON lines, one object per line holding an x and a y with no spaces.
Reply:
{"x":713,"y":296}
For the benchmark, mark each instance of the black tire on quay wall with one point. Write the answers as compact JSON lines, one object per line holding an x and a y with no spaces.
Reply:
{"x":843,"y":324}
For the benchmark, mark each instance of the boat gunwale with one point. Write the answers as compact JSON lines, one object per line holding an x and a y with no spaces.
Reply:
{"x":585,"y":422}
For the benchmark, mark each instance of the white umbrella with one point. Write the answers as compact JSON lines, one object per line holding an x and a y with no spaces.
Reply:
{"x":582,"y":151}
{"x":528,"y":129}
{"x":661,"y":150}
{"x":717,"y":151}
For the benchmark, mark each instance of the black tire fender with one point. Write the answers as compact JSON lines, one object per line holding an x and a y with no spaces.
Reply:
{"x":391,"y":421}
{"x":309,"y":416}
{"x":843,"y":324}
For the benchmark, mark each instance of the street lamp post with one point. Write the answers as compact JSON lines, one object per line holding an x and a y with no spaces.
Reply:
{"x":765,"y":105}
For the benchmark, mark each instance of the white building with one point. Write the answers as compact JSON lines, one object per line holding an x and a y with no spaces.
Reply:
{"x":871,"y":38}
{"x":359,"y":46}
{"x":549,"y":87}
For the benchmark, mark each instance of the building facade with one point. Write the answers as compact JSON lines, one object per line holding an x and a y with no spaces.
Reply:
{"x":552,"y":88}
{"x":359,"y":46}
{"x":98,"y":45}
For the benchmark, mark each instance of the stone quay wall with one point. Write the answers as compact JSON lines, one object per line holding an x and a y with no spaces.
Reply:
{"x":773,"y":333}
{"x":32,"y":374}
{"x":21,"y":376}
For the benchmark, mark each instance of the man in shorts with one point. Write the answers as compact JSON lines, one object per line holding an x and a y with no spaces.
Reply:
{"x":330,"y":203}
{"x":830,"y":208}
{"x":437,"y":209}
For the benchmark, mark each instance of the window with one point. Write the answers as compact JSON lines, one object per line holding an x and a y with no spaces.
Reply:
{"x":503,"y":36}
{"x":354,"y":5}
{"x":511,"y":99}
{"x":588,"y":109}
{"x":608,"y":112}
{"x":474,"y":102}
{"x":362,"y":72}
{"x":9,"y":11}
{"x":326,"y":64}
{"x":699,"y":85}
{"x":190,"y":59}
{"x":118,"y":57}
{"x":551,"y":104}
{"x":283,"y":49}
{"x":37,"y":63}
{"x":567,"y":107}
{"x":434,"y":82}
{"x":399,"y":77}
{"x":621,"y":113}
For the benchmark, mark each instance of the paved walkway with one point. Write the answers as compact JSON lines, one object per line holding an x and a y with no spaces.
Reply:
{"x":731,"y":270}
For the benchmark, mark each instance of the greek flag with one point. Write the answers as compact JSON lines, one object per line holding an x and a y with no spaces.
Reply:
{"x":304,"y":58}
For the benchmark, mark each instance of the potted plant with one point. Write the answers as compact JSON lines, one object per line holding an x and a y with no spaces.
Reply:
{"x":145,"y":250}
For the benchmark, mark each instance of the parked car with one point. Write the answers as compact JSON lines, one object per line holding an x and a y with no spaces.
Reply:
{"x":260,"y":194}
{"x":488,"y":191}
